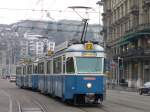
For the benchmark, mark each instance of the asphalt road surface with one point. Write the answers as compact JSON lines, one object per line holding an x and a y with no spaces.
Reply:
{"x":13,"y":99}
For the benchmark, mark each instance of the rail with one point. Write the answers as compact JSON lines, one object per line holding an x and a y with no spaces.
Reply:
{"x":40,"y":107}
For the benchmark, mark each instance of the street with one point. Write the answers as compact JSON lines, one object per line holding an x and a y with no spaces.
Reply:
{"x":13,"y":99}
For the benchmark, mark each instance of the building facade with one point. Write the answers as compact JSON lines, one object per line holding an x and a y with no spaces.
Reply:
{"x":43,"y":46}
{"x":23,"y":48}
{"x":35,"y":45}
{"x":127,"y":36}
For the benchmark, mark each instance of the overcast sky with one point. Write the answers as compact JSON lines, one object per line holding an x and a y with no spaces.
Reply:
{"x":14,"y":10}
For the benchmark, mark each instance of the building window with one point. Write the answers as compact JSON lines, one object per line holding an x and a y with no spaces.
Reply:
{"x":148,"y":43}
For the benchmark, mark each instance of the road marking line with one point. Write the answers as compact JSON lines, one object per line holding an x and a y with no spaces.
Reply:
{"x":10,"y":100}
{"x":19,"y":106}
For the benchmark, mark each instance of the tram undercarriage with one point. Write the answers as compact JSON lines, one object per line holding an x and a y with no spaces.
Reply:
{"x":80,"y":99}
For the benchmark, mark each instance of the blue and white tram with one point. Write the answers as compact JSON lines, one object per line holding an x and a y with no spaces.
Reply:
{"x":74,"y":73}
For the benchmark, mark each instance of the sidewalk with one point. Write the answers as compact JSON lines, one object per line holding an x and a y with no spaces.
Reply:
{"x":121,"y":88}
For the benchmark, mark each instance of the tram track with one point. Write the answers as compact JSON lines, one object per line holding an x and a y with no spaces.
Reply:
{"x":93,"y":108}
{"x":129,"y":106}
{"x":39,"y":107}
{"x":17,"y":104}
{"x":27,"y":101}
{"x":99,"y":108}
{"x":42,"y":106}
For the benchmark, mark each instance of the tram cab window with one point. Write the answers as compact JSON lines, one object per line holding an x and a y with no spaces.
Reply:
{"x":89,"y":64}
{"x":70,"y":65}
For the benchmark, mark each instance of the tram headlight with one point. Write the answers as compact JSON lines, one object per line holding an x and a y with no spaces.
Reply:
{"x":89,"y":85}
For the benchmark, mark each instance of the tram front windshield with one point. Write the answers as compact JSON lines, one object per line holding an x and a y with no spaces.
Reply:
{"x":89,"y":64}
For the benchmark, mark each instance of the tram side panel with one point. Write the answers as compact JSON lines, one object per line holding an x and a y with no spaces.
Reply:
{"x":49,"y":82}
{"x":34,"y":79}
{"x":30,"y":81}
{"x":46,"y":84}
{"x":19,"y":76}
{"x":19,"y":81}
{"x":25,"y":84}
{"x":58,"y":84}
{"x":40,"y":83}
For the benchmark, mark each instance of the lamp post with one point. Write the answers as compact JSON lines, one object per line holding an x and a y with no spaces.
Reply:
{"x":100,"y":3}
{"x":118,"y":75}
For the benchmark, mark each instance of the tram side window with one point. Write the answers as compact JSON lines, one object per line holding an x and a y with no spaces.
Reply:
{"x":70,"y":65}
{"x":105,"y":65}
{"x":48,"y":67}
{"x":57,"y":65}
{"x":35,"y":71}
{"x":24,"y":70}
{"x":30,"y":69}
{"x":64,"y":64}
{"x":41,"y":68}
{"x":18,"y":71}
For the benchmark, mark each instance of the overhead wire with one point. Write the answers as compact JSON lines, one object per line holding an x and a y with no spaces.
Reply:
{"x":59,"y":29}
{"x":46,"y":11}
{"x":19,"y":9}
{"x":28,"y":11}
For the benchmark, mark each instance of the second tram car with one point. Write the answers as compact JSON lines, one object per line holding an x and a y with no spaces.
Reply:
{"x":73,"y":73}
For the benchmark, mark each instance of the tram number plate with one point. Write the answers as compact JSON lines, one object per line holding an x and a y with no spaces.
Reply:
{"x":89,"y":54}
{"x":89,"y":78}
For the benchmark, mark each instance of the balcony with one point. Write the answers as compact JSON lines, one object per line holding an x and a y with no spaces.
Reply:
{"x":134,"y":10}
{"x":141,"y":27}
{"x":147,"y":2}
{"x":136,"y":53}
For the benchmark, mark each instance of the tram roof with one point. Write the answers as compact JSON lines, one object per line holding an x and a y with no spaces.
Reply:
{"x":81,"y":47}
{"x":76,"y":47}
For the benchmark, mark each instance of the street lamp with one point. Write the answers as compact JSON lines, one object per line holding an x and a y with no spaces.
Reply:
{"x":100,"y":3}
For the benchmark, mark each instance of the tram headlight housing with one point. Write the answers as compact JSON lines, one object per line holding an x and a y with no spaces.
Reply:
{"x":89,"y":85}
